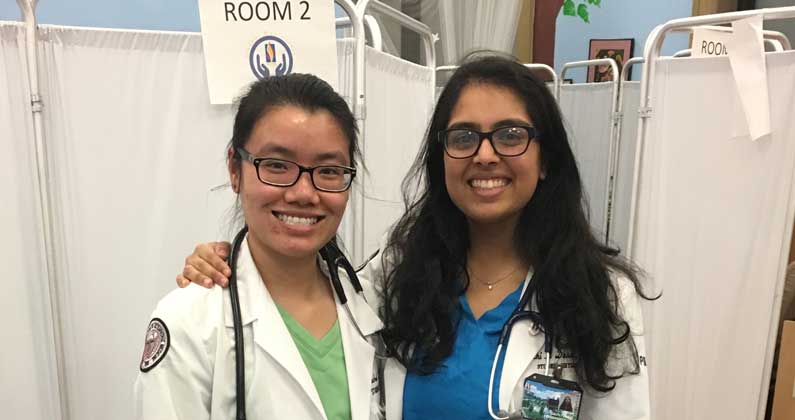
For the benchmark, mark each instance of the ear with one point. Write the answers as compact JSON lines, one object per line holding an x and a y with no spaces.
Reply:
{"x":543,"y":174}
{"x":233,"y":167}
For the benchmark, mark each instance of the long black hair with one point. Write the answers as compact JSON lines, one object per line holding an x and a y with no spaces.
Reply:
{"x":572,"y":284}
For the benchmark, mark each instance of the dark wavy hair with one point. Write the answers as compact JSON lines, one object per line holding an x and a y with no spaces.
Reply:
{"x":572,"y":284}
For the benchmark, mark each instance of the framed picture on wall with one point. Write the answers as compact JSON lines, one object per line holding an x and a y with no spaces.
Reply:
{"x":619,"y":50}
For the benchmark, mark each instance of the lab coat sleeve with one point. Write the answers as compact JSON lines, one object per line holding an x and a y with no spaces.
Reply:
{"x":630,"y":398}
{"x":179,"y":386}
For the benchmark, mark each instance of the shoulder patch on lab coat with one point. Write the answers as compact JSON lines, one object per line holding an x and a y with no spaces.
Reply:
{"x":156,"y":344}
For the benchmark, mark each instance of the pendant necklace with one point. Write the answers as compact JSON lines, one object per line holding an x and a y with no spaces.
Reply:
{"x":490,"y":284}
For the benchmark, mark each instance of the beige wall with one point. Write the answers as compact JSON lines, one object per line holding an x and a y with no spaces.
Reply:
{"x":523,"y":46}
{"x":707,"y":7}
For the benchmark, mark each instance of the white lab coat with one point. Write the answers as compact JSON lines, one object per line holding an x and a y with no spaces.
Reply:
{"x":628,"y":401}
{"x":196,"y":378}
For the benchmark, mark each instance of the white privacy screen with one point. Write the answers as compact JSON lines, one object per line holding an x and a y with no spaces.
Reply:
{"x":713,"y":228}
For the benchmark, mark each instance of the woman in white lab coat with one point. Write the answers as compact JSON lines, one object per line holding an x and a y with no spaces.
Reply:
{"x":500,"y":217}
{"x":498,"y":225}
{"x":307,"y":356}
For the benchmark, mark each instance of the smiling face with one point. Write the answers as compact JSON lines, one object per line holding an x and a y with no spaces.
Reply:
{"x":489,"y":188}
{"x":293,"y":221}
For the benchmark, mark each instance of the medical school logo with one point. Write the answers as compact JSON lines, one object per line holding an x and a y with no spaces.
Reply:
{"x":270,"y":56}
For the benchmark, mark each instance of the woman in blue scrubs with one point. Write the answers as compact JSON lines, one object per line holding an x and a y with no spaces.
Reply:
{"x":499,"y":204}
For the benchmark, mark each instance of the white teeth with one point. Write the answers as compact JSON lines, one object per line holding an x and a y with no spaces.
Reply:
{"x":489,"y":183}
{"x":294,"y":220}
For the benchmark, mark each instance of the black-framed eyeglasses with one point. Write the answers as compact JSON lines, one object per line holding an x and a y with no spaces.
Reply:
{"x":285,"y":173}
{"x":462,"y":143}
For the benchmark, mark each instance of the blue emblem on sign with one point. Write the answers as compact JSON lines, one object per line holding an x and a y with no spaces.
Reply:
{"x":270,"y":56}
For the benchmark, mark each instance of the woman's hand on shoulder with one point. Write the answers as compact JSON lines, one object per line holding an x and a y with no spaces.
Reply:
{"x":206,"y":266}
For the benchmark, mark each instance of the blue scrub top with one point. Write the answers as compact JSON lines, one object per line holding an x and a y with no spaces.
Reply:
{"x":459,"y":390}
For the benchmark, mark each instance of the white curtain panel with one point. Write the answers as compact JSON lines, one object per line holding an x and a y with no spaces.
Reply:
{"x":400,"y":98}
{"x":468,"y":25}
{"x":622,"y":194}
{"x":587,"y":114}
{"x":135,"y":149}
{"x":713,"y":229}
{"x":28,"y":374}
{"x":346,"y":84}
{"x":345,"y":68}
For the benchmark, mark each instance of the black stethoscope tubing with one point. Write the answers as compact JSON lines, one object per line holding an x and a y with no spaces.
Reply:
{"x":334,"y":259}
{"x":521,"y":312}
{"x":237,"y":323}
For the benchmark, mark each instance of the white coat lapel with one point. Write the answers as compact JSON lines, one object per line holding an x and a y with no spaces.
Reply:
{"x":270,"y":332}
{"x":395,"y":379}
{"x":522,"y":347}
{"x":359,"y":353}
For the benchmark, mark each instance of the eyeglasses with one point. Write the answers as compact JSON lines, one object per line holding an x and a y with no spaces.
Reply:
{"x":462,"y":143}
{"x":285,"y":173}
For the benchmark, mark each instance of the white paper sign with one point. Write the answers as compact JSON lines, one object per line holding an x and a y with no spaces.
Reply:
{"x":707,"y":42}
{"x":249,"y":40}
{"x":749,"y":68}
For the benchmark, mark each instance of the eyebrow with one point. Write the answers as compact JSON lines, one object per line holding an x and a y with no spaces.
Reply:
{"x":331,"y":156}
{"x":502,"y":123}
{"x":275,"y":149}
{"x":268,"y":149}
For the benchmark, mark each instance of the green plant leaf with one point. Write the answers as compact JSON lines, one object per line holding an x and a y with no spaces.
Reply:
{"x":582,"y":12}
{"x":597,"y":3}
{"x":569,"y":9}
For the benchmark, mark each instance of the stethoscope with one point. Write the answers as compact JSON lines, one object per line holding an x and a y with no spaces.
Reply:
{"x":334,"y":259}
{"x":519,"y":314}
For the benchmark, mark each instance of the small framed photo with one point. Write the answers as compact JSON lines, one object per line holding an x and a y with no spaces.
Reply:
{"x":619,"y":50}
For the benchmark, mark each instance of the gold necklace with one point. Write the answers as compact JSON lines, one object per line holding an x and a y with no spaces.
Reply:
{"x":490,"y":285}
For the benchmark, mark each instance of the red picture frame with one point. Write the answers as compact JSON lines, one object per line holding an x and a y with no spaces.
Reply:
{"x":620,"y":50}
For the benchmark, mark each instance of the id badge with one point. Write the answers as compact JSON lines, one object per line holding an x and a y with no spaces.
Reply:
{"x":548,"y":398}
